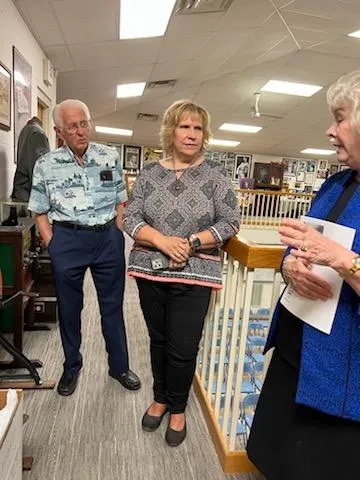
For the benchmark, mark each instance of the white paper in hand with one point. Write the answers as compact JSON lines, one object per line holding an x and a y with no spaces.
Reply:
{"x":318,"y":313}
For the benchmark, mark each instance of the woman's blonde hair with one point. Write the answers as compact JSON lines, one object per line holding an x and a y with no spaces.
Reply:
{"x":346,"y":91}
{"x":172,"y":118}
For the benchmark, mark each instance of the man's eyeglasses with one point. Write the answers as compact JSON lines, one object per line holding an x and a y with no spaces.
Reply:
{"x":74,"y":127}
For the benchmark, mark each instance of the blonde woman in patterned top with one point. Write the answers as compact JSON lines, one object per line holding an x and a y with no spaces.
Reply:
{"x":180,"y":212}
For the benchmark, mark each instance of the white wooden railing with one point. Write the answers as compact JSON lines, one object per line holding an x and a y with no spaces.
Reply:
{"x":230,"y":365}
{"x":266,"y":208}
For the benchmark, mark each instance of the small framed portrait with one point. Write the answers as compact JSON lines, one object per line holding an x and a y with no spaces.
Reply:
{"x":334,"y":168}
{"x":321,"y":174}
{"x":301,"y":166}
{"x":242,"y":166}
{"x":299,"y":186}
{"x":132,"y":156}
{"x":323,"y":165}
{"x":290,"y":165}
{"x":5,"y":98}
{"x":308,"y":189}
{"x":311,"y":164}
{"x":300,"y":176}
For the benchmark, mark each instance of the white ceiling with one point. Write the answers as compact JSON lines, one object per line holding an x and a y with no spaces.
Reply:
{"x":219,"y":59}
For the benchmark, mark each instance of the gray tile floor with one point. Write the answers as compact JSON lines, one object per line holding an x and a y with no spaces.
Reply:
{"x":95,"y":434}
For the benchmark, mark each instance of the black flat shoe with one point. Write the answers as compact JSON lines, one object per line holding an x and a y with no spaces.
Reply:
{"x":128,"y":380}
{"x":67,"y":383}
{"x":150,"y":423}
{"x":174,"y":438}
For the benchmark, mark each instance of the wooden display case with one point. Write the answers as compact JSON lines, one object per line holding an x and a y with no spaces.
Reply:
{"x":268,"y":175}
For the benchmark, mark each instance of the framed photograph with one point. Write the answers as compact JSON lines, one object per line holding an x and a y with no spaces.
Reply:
{"x":22,"y":75}
{"x":311,"y":164}
{"x":321,"y":174}
{"x":300,"y":176}
{"x":323,"y":165}
{"x":299,"y":186}
{"x":229,"y":166}
{"x":132,"y":157}
{"x":309,"y":178}
{"x":242,"y":166}
{"x":301,"y":166}
{"x":308,"y":189}
{"x":334,"y":168}
{"x":151,"y":155}
{"x":5,"y":98}
{"x":130,"y":180}
{"x":290,"y":166}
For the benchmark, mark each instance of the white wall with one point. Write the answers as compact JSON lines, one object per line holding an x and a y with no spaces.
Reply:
{"x":13,"y":31}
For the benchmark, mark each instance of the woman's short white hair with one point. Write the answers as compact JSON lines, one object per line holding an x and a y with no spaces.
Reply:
{"x":346,"y":92}
{"x":57,"y":112}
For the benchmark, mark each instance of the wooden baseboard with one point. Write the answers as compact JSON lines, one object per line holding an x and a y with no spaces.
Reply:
{"x":231,"y":462}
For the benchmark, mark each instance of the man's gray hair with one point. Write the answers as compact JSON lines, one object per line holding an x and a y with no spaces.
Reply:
{"x":57,"y":112}
{"x":346,"y":92}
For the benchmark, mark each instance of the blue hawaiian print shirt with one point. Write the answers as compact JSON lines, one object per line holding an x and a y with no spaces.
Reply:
{"x":69,"y":192}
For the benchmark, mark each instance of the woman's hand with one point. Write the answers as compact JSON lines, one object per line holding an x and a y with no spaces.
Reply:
{"x":309,"y":244}
{"x":298,"y":273}
{"x":178,"y":249}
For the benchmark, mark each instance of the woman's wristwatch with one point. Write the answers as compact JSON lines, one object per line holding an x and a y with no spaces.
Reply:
{"x":194,"y":242}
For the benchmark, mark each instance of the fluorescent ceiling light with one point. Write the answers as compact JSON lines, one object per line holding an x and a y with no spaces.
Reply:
{"x":224,"y":143}
{"x":355,"y":34}
{"x":114,"y":131}
{"x":130,"y":90}
{"x":291,"y":88}
{"x":318,"y":151}
{"x":233,"y":127}
{"x":144,"y":18}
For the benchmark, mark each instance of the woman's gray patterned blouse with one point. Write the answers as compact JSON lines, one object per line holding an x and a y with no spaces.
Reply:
{"x":202,"y":198}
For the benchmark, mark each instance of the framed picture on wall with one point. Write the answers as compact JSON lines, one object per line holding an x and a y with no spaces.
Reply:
{"x":301,"y":166}
{"x":323,"y":164}
{"x":311,"y":164}
{"x":132,"y":157}
{"x":333,"y":169}
{"x":242,"y":166}
{"x":151,"y":155}
{"x":130,"y":179}
{"x":290,"y":166}
{"x":22,"y":77}
{"x":5,"y":98}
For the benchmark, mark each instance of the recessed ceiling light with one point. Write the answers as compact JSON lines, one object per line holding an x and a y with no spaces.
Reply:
{"x":291,"y":88}
{"x":144,"y":18}
{"x":224,"y":143}
{"x":127,"y":90}
{"x":355,"y":34}
{"x":233,"y":127}
{"x":318,"y":151}
{"x":114,"y":131}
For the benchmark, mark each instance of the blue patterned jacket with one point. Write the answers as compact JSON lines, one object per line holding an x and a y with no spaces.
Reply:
{"x":329,"y":378}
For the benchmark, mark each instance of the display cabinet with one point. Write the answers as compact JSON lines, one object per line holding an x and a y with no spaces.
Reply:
{"x":268,"y":175}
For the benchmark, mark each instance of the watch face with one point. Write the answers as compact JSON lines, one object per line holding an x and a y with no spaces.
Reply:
{"x":196,"y":242}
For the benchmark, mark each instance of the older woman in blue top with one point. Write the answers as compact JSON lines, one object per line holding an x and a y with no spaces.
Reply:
{"x":307,"y":421}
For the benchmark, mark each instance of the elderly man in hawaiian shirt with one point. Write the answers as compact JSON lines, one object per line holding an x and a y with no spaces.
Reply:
{"x":77,"y":196}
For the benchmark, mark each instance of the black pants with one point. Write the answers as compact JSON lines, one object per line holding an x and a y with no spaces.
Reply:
{"x":72,"y":252}
{"x":174,"y":314}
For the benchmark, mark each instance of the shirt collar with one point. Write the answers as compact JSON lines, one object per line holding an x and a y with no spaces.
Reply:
{"x":85,"y":156}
